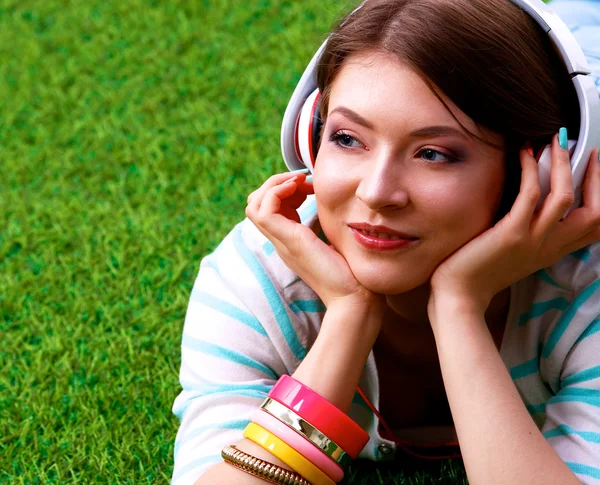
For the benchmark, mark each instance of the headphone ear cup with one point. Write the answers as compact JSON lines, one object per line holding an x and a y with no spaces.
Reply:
{"x":308,"y":130}
{"x":316,"y":127}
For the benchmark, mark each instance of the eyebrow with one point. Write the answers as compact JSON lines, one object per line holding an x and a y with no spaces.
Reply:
{"x":428,"y":131}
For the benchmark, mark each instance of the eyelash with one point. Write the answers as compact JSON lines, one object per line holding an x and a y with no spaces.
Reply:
{"x":338,"y":135}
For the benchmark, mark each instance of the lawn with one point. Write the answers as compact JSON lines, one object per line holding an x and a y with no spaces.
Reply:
{"x":130,"y":135}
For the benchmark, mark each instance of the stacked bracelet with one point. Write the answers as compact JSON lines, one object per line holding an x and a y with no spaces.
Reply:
{"x":308,"y":431}
{"x":286,"y":454}
{"x":320,"y":413}
{"x":299,"y":443}
{"x":305,"y":431}
{"x":260,"y":468}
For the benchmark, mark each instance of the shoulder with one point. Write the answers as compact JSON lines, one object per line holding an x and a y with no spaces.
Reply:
{"x":557,"y":307}
{"x":245,"y":254}
{"x":244,"y":279}
{"x":577,"y":273}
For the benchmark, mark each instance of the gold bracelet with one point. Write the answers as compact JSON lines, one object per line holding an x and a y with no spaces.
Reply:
{"x":307,"y":430}
{"x":261,"y":468}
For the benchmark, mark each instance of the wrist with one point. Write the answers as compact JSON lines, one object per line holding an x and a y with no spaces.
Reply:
{"x":449,"y":305}
{"x":361,"y":309}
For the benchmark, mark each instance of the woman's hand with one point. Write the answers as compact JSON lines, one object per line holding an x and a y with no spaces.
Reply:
{"x":524,"y":241}
{"x":272,"y":209}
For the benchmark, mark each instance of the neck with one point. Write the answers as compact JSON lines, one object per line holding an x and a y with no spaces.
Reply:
{"x":411,"y":306}
{"x":406,"y":319}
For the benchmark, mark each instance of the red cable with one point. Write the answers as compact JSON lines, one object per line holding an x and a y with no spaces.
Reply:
{"x":402,"y":443}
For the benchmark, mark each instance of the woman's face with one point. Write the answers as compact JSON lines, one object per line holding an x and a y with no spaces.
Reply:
{"x":392,"y":155}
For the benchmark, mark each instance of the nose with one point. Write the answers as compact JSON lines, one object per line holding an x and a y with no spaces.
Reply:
{"x":382,"y":187}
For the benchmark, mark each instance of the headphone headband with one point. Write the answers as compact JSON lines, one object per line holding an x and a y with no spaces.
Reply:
{"x":570,"y":52}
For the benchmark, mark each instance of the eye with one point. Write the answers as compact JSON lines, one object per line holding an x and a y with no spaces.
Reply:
{"x":345,"y":140}
{"x":435,"y":156}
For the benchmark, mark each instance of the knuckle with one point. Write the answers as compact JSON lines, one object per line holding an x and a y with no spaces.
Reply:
{"x":260,"y":220}
{"x":595,"y":219}
{"x":533,"y":194}
{"x":565,"y":199}
{"x":515,"y":239}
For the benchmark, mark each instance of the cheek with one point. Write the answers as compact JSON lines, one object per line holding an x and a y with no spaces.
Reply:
{"x":333,"y":184}
{"x":468,"y":199}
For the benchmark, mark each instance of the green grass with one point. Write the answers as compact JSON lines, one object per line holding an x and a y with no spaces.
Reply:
{"x":130,"y":134}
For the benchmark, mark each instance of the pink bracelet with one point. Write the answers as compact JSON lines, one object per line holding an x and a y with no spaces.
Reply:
{"x":320,"y":413}
{"x":299,"y":443}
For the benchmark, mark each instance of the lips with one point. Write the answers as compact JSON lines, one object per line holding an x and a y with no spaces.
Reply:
{"x":381,"y":238}
{"x":381,"y":232}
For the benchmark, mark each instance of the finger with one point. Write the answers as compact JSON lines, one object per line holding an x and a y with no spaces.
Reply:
{"x":524,"y":206}
{"x":250,"y":195}
{"x":591,"y":182}
{"x":589,"y":238}
{"x":275,"y":224}
{"x":273,"y":201}
{"x":256,"y":197}
{"x":298,"y":198}
{"x":585,"y":219}
{"x":287,"y":201}
{"x":561,"y":196}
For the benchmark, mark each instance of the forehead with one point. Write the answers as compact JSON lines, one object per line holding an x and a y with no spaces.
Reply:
{"x":385,"y":90}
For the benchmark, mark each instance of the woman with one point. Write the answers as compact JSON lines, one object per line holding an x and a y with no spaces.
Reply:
{"x":426,"y":297}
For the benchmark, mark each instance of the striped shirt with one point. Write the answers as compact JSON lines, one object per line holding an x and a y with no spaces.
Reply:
{"x":250,"y":319}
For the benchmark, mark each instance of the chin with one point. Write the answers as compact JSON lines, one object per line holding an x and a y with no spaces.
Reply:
{"x":390,"y":284}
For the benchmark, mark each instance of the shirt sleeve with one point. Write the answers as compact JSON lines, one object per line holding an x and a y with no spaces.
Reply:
{"x":238,"y":338}
{"x":572,"y":425}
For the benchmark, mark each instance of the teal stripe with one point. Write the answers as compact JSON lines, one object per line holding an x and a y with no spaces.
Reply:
{"x":590,"y":471}
{"x":271,"y":294}
{"x":268,"y":248}
{"x":525,"y":369}
{"x":538,"y":309}
{"x":195,"y":464}
{"x":591,"y":330}
{"x":239,"y":424}
{"x":564,"y":430}
{"x":567,"y":316}
{"x":544,"y":276}
{"x":577,"y":394}
{"x":229,"y":310}
{"x":584,"y":375}
{"x":257,"y":391}
{"x":582,"y":254}
{"x":212,"y":265}
{"x":226,"y":354}
{"x":230,"y":388}
{"x":308,"y":210}
{"x":312,"y":306}
{"x":536,"y":408}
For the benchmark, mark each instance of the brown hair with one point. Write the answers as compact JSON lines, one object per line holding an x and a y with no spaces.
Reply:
{"x":488,"y":56}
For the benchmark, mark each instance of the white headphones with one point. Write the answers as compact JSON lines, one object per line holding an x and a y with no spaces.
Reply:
{"x":301,"y":123}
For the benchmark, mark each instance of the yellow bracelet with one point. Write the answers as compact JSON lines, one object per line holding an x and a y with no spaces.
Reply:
{"x":286,"y":454}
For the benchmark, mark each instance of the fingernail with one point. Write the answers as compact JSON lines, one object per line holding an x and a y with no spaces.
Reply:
{"x":530,"y":151}
{"x":563,"y":139}
{"x":302,"y":170}
{"x":289,"y":181}
{"x":309,"y":178}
